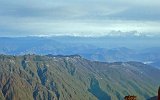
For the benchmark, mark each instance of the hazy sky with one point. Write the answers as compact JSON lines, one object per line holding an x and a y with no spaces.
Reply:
{"x":78,"y":17}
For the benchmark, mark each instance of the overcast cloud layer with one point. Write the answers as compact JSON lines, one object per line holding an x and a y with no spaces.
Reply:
{"x":78,"y":17}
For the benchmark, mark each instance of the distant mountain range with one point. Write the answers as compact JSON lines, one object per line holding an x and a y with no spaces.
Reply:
{"x":131,"y":48}
{"x":35,"y":77}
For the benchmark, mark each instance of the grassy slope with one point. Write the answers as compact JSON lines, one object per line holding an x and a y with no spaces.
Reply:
{"x":74,"y":78}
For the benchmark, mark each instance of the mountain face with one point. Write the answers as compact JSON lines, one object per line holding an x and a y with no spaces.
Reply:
{"x":34,"y":77}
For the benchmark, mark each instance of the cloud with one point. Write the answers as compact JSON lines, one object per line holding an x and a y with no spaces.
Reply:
{"x":31,"y":17}
{"x":138,"y":13}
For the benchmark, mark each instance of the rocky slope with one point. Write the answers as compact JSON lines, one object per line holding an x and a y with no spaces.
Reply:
{"x":34,"y":77}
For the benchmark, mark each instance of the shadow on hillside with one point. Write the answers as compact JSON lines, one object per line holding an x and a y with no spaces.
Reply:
{"x":97,"y":91}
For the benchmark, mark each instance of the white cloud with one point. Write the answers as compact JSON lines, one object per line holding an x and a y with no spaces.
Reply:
{"x":89,"y":17}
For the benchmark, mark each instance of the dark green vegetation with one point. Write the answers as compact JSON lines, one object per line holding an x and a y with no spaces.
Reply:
{"x":34,"y":77}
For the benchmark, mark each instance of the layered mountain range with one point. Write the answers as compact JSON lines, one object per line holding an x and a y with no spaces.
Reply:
{"x":106,"y":49}
{"x":35,"y":77}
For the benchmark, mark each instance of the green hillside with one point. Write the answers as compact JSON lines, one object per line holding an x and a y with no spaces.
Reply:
{"x":34,"y":77}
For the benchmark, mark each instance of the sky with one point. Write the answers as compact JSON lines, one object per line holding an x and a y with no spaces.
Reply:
{"x":78,"y":17}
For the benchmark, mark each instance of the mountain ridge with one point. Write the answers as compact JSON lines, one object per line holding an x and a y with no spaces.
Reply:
{"x":35,"y":77}
{"x":99,"y":49}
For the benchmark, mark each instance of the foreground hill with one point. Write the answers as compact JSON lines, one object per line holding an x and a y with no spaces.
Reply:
{"x":34,"y":77}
